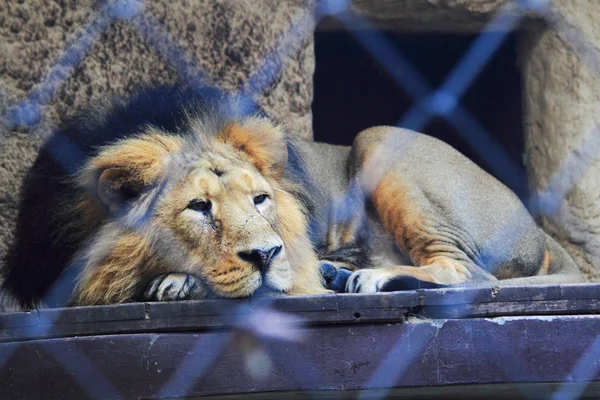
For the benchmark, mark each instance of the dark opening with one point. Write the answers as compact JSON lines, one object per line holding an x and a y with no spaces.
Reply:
{"x":353,"y":91}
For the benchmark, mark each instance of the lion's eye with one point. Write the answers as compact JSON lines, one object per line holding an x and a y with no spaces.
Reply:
{"x":200,"y":205}
{"x":260,"y":199}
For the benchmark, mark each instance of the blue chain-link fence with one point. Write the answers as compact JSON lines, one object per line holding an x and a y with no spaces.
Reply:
{"x":429,"y":102}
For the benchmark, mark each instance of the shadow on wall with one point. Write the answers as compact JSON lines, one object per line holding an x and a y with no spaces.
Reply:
{"x":353,"y":92}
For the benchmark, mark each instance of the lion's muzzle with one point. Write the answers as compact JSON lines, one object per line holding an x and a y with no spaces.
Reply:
{"x":260,"y":258}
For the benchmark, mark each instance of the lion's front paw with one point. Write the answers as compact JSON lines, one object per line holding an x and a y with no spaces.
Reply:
{"x":335,"y":277}
{"x":367,"y":281}
{"x":385,"y":280}
{"x":173,"y":287}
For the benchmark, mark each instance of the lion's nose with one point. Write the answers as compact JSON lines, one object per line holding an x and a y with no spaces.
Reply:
{"x":261,"y":259}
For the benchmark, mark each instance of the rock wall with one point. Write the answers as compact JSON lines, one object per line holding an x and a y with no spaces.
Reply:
{"x":560,"y":61}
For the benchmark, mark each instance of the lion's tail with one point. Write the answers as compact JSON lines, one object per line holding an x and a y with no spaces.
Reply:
{"x":558,"y":261}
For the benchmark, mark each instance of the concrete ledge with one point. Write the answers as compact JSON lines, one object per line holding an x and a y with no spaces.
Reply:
{"x":330,"y":345}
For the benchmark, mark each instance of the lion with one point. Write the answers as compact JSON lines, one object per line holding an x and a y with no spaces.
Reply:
{"x":181,"y":192}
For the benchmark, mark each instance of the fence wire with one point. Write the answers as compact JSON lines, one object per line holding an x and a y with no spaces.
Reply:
{"x":276,"y":332}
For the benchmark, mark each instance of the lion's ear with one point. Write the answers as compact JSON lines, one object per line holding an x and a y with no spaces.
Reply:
{"x":117,"y":185}
{"x":122,"y":171}
{"x":262,"y":141}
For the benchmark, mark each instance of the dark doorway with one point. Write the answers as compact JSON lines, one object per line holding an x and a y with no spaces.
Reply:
{"x":353,"y":92}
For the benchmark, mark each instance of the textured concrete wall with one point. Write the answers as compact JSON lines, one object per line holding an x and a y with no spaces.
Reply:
{"x":228,"y":40}
{"x":561,"y":78}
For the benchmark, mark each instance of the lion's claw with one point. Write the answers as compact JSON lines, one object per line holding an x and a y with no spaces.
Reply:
{"x":174,"y":287}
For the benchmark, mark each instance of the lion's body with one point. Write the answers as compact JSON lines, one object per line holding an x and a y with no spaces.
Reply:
{"x":177,"y":180}
{"x":427,"y":205}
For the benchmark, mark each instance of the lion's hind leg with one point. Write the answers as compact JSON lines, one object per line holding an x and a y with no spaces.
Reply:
{"x":438,"y":250}
{"x":417,"y":210}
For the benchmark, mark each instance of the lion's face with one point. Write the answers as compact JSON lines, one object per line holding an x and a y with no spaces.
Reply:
{"x":225,"y":211}
{"x":218,"y":209}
